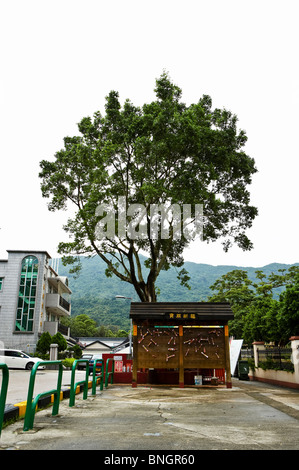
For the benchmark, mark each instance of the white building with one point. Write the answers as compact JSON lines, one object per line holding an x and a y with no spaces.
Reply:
{"x":105,"y":345}
{"x":33,"y":299}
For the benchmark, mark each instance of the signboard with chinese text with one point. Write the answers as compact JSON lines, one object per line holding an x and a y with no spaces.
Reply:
{"x":118,"y":366}
{"x":182,"y":316}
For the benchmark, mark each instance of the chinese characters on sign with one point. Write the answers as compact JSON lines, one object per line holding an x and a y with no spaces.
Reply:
{"x":182,"y":316}
{"x":118,"y":366}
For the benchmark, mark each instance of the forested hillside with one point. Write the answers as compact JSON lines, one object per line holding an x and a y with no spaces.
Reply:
{"x":94,"y":294}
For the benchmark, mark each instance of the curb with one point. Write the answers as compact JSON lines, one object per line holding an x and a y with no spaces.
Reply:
{"x":18,"y":410}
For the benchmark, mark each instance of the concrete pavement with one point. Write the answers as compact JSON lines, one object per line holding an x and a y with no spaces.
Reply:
{"x":44,"y":380}
{"x":249,"y":416}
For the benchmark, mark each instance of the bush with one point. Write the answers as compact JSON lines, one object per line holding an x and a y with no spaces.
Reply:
{"x":269,"y":364}
{"x":43,"y":344}
{"x":60,"y":340}
{"x":44,"y":357}
{"x":77,"y":351}
{"x":68,"y":362}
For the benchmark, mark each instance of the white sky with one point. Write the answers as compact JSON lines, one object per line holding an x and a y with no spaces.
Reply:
{"x":59,"y":59}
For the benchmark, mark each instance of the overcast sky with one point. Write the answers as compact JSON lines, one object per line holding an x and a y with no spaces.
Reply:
{"x":59,"y":59}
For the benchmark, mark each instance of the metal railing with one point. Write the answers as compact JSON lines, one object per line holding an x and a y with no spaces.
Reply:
{"x":32,"y":404}
{"x":109,"y":374}
{"x":64,"y":303}
{"x":82,"y":382}
{"x":97,"y":363}
{"x":280,"y":358}
{"x":246,"y":353}
{"x":63,"y":329}
{"x":4,"y":385}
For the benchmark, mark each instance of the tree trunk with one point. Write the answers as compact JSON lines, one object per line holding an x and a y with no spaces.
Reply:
{"x":146,"y":292}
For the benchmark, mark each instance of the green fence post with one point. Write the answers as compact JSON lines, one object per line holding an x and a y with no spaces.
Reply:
{"x":94,"y":377}
{"x":3,"y":394}
{"x":84,"y":382}
{"x":31,"y":404}
{"x":107,"y":374}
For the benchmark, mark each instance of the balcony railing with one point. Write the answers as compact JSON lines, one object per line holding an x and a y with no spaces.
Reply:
{"x":57,"y":304}
{"x":64,"y":330}
{"x":54,"y":327}
{"x":64,"y":303}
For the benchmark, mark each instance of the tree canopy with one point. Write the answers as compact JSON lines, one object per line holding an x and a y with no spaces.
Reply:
{"x":164,"y":155}
{"x":288,"y":317}
{"x":258,"y":315}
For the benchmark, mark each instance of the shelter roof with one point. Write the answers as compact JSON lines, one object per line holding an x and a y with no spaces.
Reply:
{"x":214,"y":311}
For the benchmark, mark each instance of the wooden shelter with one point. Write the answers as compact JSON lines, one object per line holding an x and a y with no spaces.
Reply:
{"x":180,"y":336}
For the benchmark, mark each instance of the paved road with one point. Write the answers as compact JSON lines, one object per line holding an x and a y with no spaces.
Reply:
{"x":44,"y":380}
{"x":250,"y":416}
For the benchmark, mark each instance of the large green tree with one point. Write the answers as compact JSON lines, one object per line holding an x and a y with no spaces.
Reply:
{"x":163,"y":154}
{"x":258,"y":315}
{"x":288,"y":317}
{"x":236,"y":288}
{"x":83,"y":325}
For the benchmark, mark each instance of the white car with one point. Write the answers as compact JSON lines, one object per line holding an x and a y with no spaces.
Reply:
{"x":16,"y":359}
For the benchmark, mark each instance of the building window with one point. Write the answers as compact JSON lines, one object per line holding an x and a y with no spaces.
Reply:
{"x":1,"y":283}
{"x":27,"y":294}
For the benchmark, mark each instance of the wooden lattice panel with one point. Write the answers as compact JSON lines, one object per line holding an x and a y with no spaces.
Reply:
{"x":158,"y":347}
{"x":203,"y":348}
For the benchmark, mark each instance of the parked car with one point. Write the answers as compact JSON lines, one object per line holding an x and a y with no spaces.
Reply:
{"x":91,"y":363}
{"x":16,"y":359}
{"x":82,"y":366}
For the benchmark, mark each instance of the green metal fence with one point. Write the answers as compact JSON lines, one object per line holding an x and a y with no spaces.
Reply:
{"x":109,"y":374}
{"x":97,"y":363}
{"x":82,"y":382}
{"x":32,"y":403}
{"x":4,"y":385}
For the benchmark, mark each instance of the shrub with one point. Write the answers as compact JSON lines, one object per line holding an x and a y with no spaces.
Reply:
{"x":43,"y":344}
{"x":68,"y":362}
{"x":60,"y":340}
{"x":269,"y":364}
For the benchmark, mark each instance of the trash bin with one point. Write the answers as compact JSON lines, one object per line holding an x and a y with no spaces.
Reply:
{"x":152,"y":376}
{"x":243,"y":369}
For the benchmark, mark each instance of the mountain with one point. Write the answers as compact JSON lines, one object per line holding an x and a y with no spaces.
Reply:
{"x":94,"y":294}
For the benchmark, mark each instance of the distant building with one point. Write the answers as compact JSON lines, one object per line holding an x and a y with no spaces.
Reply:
{"x":33,"y":299}
{"x":101,"y":345}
